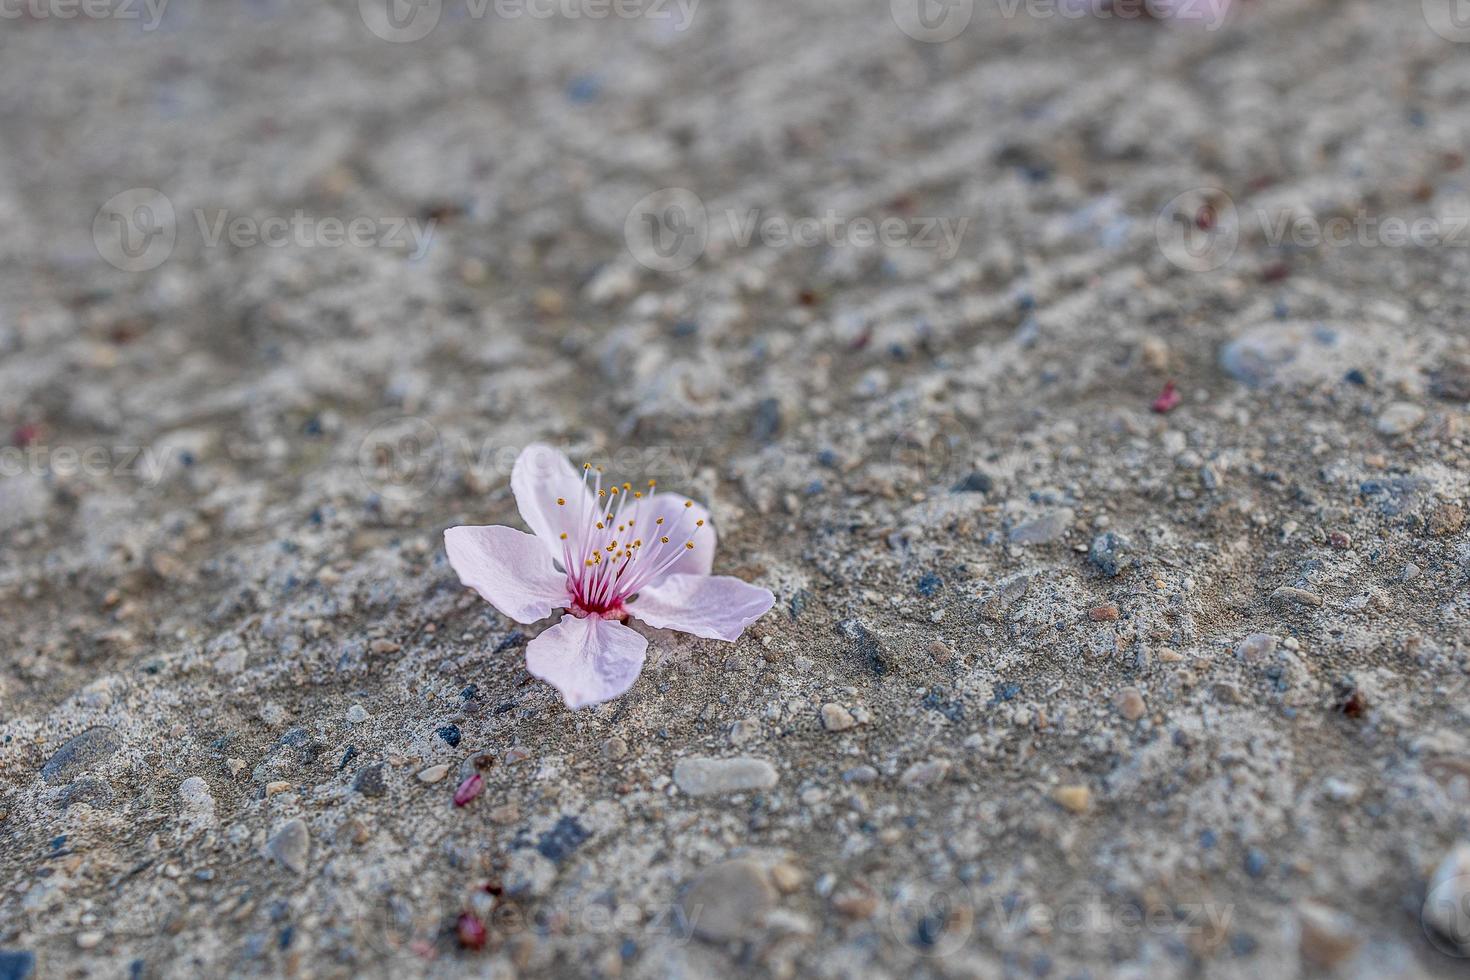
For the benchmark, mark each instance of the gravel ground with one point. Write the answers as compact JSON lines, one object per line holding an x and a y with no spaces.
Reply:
{"x":1116,"y":523}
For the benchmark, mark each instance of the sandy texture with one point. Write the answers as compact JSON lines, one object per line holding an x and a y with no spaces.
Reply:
{"x":1056,"y":685}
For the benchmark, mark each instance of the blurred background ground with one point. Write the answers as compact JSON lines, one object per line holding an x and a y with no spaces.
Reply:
{"x":1057,"y":684}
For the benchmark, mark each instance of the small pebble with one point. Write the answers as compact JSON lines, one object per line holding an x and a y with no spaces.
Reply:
{"x":1076,"y":798}
{"x":1328,"y":937}
{"x":1256,"y":647}
{"x":1105,"y":613}
{"x":434,"y":774}
{"x":836,"y":718}
{"x":1399,"y":418}
{"x":744,"y":731}
{"x":357,"y":714}
{"x":728,"y":901}
{"x":924,"y":773}
{"x":290,"y":845}
{"x":787,"y":877}
{"x":702,"y":776}
{"x":1445,"y":519}
{"x":1129,"y":703}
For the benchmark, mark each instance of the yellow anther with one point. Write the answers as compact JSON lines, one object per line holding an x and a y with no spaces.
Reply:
{"x":614,"y":491}
{"x":630,"y":522}
{"x":664,"y":539}
{"x":627,"y":486}
{"x":622,"y":526}
{"x":688,"y":503}
{"x":601,"y":526}
{"x":588,"y":563}
{"x":637,"y":494}
{"x":689,"y":544}
{"x":561,"y":501}
{"x":602,"y":493}
{"x":652,"y":482}
{"x":586,"y":466}
{"x":699,"y":523}
{"x":659,"y":521}
{"x":563,"y":535}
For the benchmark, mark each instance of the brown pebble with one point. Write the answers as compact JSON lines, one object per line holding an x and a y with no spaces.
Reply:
{"x":384,"y":646}
{"x":1130,"y":704}
{"x":1106,"y":613}
{"x":1328,"y":937}
{"x":351,"y":831}
{"x":1075,"y":798}
{"x":786,"y":877}
{"x":941,"y":652}
{"x":856,"y":904}
{"x":1340,"y":540}
{"x":1445,"y":519}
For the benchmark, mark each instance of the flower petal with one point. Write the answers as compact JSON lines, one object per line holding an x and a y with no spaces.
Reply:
{"x":509,"y":569}
{"x":717,"y":607}
{"x":679,"y":525}
{"x":540,"y":477}
{"x":588,"y":660}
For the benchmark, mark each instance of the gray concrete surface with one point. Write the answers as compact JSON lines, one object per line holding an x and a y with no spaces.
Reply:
{"x":1056,"y":685}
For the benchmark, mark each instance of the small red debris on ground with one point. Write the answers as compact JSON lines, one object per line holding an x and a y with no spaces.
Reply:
{"x":1168,"y":399}
{"x":25,"y":435}
{"x":469,"y":789}
{"x":471,"y":931}
{"x":1275,"y":272}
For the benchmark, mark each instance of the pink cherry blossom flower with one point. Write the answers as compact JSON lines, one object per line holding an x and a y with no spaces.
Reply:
{"x":603,"y":554}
